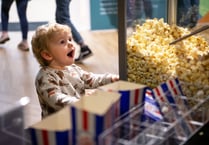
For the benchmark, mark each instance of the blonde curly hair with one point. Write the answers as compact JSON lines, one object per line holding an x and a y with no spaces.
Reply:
{"x":41,"y":39}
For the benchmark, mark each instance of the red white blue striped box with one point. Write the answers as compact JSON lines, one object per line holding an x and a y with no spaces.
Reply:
{"x":91,"y":115}
{"x":170,"y":92}
{"x":132,"y":94}
{"x":53,"y":130}
{"x":151,"y":107}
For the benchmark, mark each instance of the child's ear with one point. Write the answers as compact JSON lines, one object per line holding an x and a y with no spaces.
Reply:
{"x":46,"y":55}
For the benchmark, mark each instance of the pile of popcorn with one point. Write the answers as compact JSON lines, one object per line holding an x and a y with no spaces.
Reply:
{"x":152,"y":60}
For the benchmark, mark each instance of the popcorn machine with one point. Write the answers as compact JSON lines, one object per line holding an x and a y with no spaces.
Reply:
{"x":136,"y":12}
{"x":146,"y":30}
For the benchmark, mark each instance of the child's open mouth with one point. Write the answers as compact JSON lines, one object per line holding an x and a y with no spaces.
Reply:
{"x":71,"y":53}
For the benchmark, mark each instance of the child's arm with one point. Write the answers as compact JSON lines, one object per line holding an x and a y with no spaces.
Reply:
{"x":95,"y":80}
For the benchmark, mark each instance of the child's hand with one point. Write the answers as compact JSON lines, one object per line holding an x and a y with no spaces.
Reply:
{"x":90,"y":91}
{"x":115,"y":78}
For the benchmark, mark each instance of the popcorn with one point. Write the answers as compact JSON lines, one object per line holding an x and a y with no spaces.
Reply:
{"x":151,"y":60}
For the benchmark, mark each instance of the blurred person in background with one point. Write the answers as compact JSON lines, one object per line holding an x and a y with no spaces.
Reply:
{"x":138,"y":11}
{"x":187,"y":13}
{"x":62,"y":16}
{"x":21,"y":10}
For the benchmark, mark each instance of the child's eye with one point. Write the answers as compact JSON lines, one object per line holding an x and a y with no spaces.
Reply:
{"x":62,"y":41}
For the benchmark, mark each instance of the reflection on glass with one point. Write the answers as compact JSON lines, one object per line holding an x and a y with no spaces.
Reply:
{"x":187,"y":13}
{"x":140,"y":10}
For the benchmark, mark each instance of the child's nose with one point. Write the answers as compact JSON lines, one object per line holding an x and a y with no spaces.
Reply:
{"x":70,"y":44}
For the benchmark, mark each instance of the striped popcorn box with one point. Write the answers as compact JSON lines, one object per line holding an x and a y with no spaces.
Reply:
{"x":171,"y":98}
{"x":151,"y":106}
{"x":169,"y":92}
{"x":92,"y":115}
{"x":53,"y":130}
{"x":132,"y":94}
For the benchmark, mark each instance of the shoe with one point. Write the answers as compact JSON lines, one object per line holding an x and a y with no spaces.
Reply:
{"x":4,"y":39}
{"x":84,"y":53}
{"x":23,"y":46}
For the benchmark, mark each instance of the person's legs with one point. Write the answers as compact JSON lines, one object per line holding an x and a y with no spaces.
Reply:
{"x":21,"y":9}
{"x":148,"y":8}
{"x":5,"y":7}
{"x":195,"y":12}
{"x":188,"y":11}
{"x":181,"y":12}
{"x":62,"y":16}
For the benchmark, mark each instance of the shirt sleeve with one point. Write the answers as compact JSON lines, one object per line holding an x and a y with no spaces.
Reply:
{"x":92,"y":80}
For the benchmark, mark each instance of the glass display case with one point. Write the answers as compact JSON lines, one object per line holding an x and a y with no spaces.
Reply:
{"x":146,"y":30}
{"x":151,"y":45}
{"x":176,"y":131}
{"x":185,"y":14}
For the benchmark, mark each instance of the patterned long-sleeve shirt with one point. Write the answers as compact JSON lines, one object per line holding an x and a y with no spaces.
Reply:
{"x":57,"y":88}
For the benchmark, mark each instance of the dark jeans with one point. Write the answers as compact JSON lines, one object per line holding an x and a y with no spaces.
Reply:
{"x":188,"y":13}
{"x":21,"y":9}
{"x":136,"y":9}
{"x":62,"y":16}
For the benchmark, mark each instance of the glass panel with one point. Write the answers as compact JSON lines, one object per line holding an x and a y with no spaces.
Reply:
{"x":140,"y":10}
{"x":151,"y":59}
